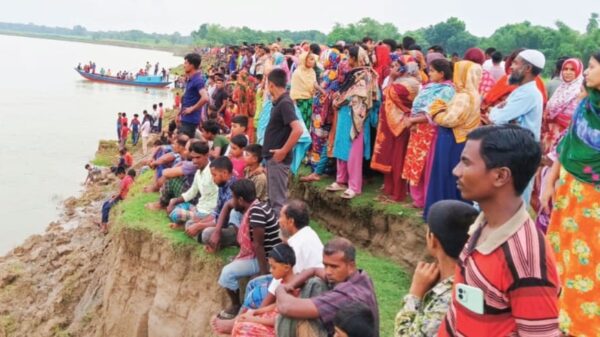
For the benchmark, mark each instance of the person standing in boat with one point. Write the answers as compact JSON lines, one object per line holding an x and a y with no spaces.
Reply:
{"x":194,"y":97}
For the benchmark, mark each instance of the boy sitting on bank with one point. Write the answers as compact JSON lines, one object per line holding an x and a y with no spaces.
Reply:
{"x":126,"y":182}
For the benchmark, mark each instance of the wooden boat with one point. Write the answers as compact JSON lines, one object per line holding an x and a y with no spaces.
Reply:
{"x":140,"y":81}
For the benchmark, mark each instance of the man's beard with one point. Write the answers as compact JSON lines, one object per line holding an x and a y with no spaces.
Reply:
{"x":515,"y":78}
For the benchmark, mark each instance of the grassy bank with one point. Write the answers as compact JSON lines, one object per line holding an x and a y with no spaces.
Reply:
{"x":391,"y":281}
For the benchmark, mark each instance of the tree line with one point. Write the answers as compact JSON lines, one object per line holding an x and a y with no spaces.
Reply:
{"x":452,"y":34}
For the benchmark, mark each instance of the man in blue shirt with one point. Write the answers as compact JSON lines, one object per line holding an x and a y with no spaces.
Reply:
{"x":194,"y":97}
{"x":525,"y":105}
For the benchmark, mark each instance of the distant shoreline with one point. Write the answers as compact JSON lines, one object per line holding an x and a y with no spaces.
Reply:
{"x":177,"y":50}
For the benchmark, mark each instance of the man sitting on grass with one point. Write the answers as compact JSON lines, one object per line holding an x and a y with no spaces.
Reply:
{"x":172,"y":155}
{"x":210,"y":133}
{"x":180,"y":209}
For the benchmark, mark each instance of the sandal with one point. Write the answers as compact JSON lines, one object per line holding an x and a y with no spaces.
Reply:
{"x":348,"y":194}
{"x":224,"y":315}
{"x":335,"y":187}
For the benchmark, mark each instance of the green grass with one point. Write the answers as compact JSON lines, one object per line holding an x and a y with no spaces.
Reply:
{"x":391,"y":281}
{"x":368,"y":198}
{"x":132,"y":213}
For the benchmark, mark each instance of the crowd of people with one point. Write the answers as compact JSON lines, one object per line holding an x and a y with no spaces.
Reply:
{"x":505,"y":167}
{"x":90,"y":67}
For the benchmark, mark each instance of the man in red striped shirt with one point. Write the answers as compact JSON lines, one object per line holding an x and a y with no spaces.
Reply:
{"x":506,"y":283}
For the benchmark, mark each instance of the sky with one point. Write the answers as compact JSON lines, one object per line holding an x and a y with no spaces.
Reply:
{"x":482,"y":18}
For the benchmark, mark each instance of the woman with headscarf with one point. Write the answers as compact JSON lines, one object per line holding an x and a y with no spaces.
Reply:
{"x":303,"y":86}
{"x":393,"y":131}
{"x":277,"y":61}
{"x":478,"y":56}
{"x":244,"y":96}
{"x":421,"y":145}
{"x":322,"y":114}
{"x":574,"y":181}
{"x":455,"y":120}
{"x":563,"y":102}
{"x":357,"y":102}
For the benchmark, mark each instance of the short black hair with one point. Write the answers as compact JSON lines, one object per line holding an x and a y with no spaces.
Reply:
{"x":255,"y":150}
{"x":283,"y":253}
{"x":87,"y":166}
{"x":490,"y":51}
{"x":353,"y":52}
{"x":243,"y":188}
{"x":497,"y":57}
{"x":315,"y":49}
{"x":437,"y":48}
{"x":443,"y":66}
{"x":222,"y":163}
{"x":407,"y":41}
{"x":449,"y":221}
{"x":182,"y":140}
{"x":211,"y":126}
{"x":240,"y":140}
{"x":154,"y":106}
{"x":200,"y":148}
{"x":297,"y":210}
{"x":415,"y":47}
{"x":160,"y":104}
{"x":241,"y":120}
{"x":367,"y":39}
{"x":131,"y":173}
{"x":509,"y":146}
{"x":391,"y":43}
{"x":278,"y":77}
{"x":194,"y":59}
{"x":120,"y":170}
{"x":356,"y":320}
{"x":136,"y":115}
{"x":343,"y":245}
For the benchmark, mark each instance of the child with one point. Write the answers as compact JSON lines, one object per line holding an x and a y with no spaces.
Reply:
{"x":430,"y":293}
{"x":177,"y":102}
{"x":355,"y":321}
{"x":126,"y":182}
{"x":161,"y":115}
{"x":93,"y":174}
{"x":236,"y":154}
{"x":124,"y":132}
{"x":254,"y":171}
{"x":135,"y":129}
{"x":239,"y":126}
{"x":261,"y":322}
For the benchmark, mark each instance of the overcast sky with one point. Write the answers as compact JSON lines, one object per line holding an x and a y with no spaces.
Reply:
{"x":168,"y":16}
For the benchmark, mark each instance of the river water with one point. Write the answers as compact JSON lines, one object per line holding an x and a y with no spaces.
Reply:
{"x":51,"y":120}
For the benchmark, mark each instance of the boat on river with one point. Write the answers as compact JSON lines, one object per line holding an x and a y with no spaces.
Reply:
{"x":139,"y":81}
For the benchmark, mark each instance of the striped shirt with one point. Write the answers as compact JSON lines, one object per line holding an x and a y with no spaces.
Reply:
{"x":515,"y":268}
{"x":262,"y":216}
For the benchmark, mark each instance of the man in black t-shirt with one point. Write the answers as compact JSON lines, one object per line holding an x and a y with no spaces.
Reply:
{"x":282,"y":134}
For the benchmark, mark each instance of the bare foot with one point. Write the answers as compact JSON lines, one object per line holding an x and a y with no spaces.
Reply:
{"x":175,"y":226}
{"x":154,"y":206}
{"x":222,"y":326}
{"x":310,"y":178}
{"x":150,"y":189}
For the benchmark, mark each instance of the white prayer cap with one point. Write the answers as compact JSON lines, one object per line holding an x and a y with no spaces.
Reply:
{"x":534,"y":57}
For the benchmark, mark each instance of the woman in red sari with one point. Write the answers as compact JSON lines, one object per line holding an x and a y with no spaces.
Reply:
{"x":244,"y":96}
{"x":392,"y":132}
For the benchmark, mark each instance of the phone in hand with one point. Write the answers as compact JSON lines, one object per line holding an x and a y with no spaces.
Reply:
{"x":470,"y":297}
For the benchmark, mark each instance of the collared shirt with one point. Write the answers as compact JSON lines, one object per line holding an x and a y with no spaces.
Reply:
{"x":357,"y":289}
{"x":224,"y":196}
{"x":514,"y":267}
{"x":308,"y":249}
{"x":203,"y":184}
{"x":424,"y":317}
{"x":525,"y":106}
{"x":259,"y":178}
{"x":191,"y":96}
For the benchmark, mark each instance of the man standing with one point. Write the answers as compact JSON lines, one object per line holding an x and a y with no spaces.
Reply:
{"x":506,"y":283}
{"x":525,"y":105}
{"x":282,"y":134}
{"x":194,"y":97}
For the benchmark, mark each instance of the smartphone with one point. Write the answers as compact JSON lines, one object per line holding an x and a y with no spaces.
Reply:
{"x":470,"y":297}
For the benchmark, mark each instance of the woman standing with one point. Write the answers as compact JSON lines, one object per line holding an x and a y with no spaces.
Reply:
{"x":455,"y":120}
{"x":564,"y":101}
{"x":357,"y":103}
{"x":277,"y":61}
{"x":303,"y":86}
{"x":393,"y":131}
{"x":421,"y":145}
{"x":573,"y":232}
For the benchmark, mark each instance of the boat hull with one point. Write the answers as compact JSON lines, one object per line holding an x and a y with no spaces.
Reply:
{"x":114,"y":80}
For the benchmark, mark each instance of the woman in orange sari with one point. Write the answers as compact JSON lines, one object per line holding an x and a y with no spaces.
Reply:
{"x":392,"y":132}
{"x":419,"y":156}
{"x":244,"y":96}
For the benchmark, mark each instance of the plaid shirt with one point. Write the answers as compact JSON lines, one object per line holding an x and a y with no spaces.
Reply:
{"x":223,"y":197}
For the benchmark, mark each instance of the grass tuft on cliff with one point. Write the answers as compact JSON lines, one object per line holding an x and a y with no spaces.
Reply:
{"x":391,"y":281}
